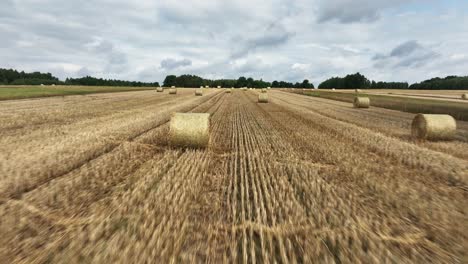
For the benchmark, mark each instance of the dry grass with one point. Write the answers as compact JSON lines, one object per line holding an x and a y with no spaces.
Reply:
{"x":414,"y":104}
{"x":434,"y":127}
{"x":263,"y":98}
{"x":361,"y":102}
{"x":302,"y":179}
{"x":189,"y":130}
{"x":8,"y":92}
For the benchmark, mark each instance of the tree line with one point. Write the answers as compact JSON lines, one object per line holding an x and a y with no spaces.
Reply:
{"x":447,"y":83}
{"x":91,"y":81}
{"x":187,"y":80}
{"x":350,"y":81}
{"x":357,"y":80}
{"x":13,"y":77}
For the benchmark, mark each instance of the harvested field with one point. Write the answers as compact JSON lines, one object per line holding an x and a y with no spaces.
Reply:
{"x":438,"y":103}
{"x":441,"y":94}
{"x":9,"y":92}
{"x":298,"y":180}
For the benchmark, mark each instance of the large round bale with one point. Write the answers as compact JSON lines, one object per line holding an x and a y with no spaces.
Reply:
{"x":201,"y":87}
{"x":199,"y":92}
{"x":172,"y":86}
{"x":228,"y":91}
{"x":465,"y":96}
{"x":264,"y":90}
{"x":263,"y":98}
{"x":433,"y":127}
{"x":333,"y":89}
{"x":219,"y":87}
{"x":358,"y":91}
{"x":189,"y":130}
{"x":361,"y":102}
{"x":173,"y":91}
{"x":159,"y":89}
{"x":207,"y":86}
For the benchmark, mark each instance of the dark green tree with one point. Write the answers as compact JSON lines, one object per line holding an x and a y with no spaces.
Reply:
{"x":169,"y":81}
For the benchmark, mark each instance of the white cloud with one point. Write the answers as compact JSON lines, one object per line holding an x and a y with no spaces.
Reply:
{"x":170,"y":64}
{"x":276,"y":39}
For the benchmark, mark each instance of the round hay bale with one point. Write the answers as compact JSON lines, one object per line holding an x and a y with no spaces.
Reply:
{"x":358,"y":91}
{"x":263,"y":98}
{"x":189,"y":130}
{"x":464,"y":96}
{"x":333,"y":89}
{"x":361,"y":102}
{"x":159,"y":89}
{"x":207,"y":86}
{"x":228,"y":91}
{"x":433,"y":127}
{"x":199,"y":92}
{"x":219,"y":87}
{"x":172,"y":86}
{"x":264,"y":90}
{"x":201,"y":87}
{"x":173,"y":91}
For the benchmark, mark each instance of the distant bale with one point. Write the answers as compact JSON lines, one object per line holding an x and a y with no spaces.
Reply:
{"x":333,"y":89}
{"x":219,"y":86}
{"x":464,"y":96}
{"x":201,"y":87}
{"x":159,"y":89}
{"x":358,"y":91}
{"x":264,"y":90}
{"x":228,"y":90}
{"x":268,"y":87}
{"x":433,"y":127}
{"x":189,"y":130}
{"x":172,"y":86}
{"x":199,"y":92}
{"x":263,"y":98}
{"x":207,"y":86}
{"x":173,"y":91}
{"x":361,"y":102}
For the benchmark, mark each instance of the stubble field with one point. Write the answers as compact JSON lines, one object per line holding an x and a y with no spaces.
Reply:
{"x":300,"y":179}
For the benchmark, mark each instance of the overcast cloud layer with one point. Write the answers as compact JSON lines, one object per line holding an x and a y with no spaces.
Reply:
{"x":400,"y":40}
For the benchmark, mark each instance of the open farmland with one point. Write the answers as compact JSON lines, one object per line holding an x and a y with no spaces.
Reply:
{"x":299,"y":179}
{"x":34,"y":91}
{"x":446,"y":95}
{"x":414,"y":101}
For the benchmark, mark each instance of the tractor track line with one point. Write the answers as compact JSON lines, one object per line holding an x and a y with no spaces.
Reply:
{"x":17,"y":196}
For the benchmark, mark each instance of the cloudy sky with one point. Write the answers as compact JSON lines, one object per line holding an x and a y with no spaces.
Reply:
{"x":398,"y":40}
